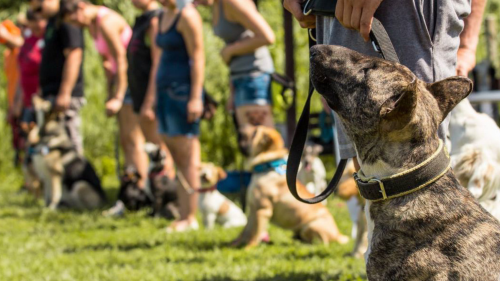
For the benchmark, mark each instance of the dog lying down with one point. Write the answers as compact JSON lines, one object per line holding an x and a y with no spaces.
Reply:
{"x":269,"y":199}
{"x":69,"y":180}
{"x":433,"y":231}
{"x":215,"y":207}
{"x":475,"y":154}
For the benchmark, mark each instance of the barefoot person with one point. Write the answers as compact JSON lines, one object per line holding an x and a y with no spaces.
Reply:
{"x":111,"y":35}
{"x":143,"y":56}
{"x":247,"y":35}
{"x":179,"y":99}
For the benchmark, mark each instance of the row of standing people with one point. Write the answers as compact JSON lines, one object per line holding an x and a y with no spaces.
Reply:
{"x":154,"y":73}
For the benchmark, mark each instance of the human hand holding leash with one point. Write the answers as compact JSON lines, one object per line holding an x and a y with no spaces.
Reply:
{"x":357,"y":15}
{"x":294,"y":7}
{"x":62,"y":103}
{"x":113,"y":106}
{"x":194,"y":109}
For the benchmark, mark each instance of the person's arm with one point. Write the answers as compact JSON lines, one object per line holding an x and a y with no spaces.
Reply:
{"x":294,"y":7}
{"x":246,"y":14}
{"x":70,"y":74}
{"x":191,"y":28}
{"x":466,"y":57}
{"x":72,"y":40}
{"x":11,"y":41}
{"x":150,"y":98}
{"x":110,"y":30}
{"x":18,"y":102}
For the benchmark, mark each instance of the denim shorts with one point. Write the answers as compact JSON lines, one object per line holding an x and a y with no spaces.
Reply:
{"x":252,"y":90}
{"x":128,"y":98}
{"x":171,"y":111}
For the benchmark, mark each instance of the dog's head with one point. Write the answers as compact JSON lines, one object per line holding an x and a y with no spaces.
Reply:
{"x":157,"y":157}
{"x":210,"y":175}
{"x":262,"y":144}
{"x":311,"y":152}
{"x":477,"y":172}
{"x":382,"y":103}
{"x":48,"y":122}
{"x":130,"y":194}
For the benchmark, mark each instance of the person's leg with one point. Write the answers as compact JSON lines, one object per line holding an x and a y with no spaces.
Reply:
{"x":252,"y":100}
{"x":150,"y":131}
{"x":187,"y":156}
{"x":132,"y":142}
{"x":255,"y":115}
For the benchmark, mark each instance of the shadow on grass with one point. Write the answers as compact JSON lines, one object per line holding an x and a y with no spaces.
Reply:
{"x":109,"y":246}
{"x":305,"y":276}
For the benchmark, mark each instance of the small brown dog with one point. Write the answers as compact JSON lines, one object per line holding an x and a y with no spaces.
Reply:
{"x":269,"y":199}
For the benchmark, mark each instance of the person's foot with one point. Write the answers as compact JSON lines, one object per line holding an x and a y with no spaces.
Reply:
{"x":117,"y":210}
{"x":182,"y":226}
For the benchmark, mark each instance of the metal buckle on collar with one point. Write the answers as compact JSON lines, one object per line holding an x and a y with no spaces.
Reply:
{"x":376,"y":47}
{"x":381,"y":185}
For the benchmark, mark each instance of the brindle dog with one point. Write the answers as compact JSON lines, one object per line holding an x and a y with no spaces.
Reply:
{"x":439,"y":232}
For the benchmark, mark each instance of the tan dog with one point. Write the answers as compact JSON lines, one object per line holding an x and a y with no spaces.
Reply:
{"x":269,"y":199}
{"x":348,"y":191}
{"x":214,"y":206}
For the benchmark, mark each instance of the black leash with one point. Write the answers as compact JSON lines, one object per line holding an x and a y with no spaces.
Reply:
{"x":383,"y":45}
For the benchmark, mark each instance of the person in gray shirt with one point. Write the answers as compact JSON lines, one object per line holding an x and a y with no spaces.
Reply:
{"x":425,"y":34}
{"x":247,"y":35}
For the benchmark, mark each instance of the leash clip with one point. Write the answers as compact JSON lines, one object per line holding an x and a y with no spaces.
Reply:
{"x":376,"y":47}
{"x":381,"y":185}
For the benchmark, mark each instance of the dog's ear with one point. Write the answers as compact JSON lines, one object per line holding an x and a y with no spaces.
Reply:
{"x":449,"y":92}
{"x":317,"y":149}
{"x":41,"y":104}
{"x":222,"y":174}
{"x":397,"y":111}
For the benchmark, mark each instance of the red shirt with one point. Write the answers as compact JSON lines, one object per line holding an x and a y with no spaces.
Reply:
{"x":30,"y":58}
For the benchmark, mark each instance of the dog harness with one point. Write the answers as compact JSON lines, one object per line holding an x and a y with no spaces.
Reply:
{"x":406,"y":182}
{"x":278,"y":165}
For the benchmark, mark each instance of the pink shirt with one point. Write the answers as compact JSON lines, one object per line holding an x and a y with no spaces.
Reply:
{"x":30,"y":58}
{"x":100,"y":42}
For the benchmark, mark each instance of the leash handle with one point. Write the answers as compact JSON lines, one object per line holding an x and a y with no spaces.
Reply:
{"x":383,"y":45}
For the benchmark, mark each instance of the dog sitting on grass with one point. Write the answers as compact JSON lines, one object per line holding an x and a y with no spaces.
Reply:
{"x":215,"y":207}
{"x":69,"y":180}
{"x":436,"y":231}
{"x":269,"y":199}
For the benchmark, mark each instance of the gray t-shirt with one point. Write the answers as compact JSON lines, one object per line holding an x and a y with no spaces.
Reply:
{"x":425,"y":34}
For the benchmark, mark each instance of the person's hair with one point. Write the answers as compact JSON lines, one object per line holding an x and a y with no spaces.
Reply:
{"x":69,"y":6}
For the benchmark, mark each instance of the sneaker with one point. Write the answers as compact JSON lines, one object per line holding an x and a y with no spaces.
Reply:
{"x":182,"y":226}
{"x":118,"y":210}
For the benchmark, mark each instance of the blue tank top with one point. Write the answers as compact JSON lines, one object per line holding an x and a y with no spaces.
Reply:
{"x":175,"y":62}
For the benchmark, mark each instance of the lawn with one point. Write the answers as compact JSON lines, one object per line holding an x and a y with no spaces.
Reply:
{"x":36,"y":244}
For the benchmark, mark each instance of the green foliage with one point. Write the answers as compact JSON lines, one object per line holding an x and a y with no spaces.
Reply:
{"x":42,"y":245}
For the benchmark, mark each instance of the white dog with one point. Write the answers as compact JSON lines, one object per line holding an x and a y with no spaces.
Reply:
{"x":475,"y":154}
{"x":312,"y":172}
{"x":214,"y":206}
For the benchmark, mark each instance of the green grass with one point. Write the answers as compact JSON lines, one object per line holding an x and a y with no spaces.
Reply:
{"x":36,"y":244}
